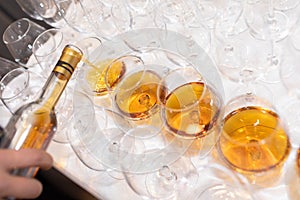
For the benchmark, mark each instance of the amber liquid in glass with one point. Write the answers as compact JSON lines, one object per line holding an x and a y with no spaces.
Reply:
{"x":96,"y":76}
{"x":33,"y":125}
{"x":197,"y":120}
{"x":137,"y":95}
{"x":298,"y":161}
{"x":254,"y":140}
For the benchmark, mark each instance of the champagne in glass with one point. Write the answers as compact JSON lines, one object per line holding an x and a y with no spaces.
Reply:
{"x":254,"y":139}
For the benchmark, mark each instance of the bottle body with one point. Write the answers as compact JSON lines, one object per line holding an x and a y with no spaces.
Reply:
{"x":33,"y":125}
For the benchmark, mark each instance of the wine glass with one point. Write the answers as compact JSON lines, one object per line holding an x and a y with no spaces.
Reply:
{"x":181,"y":16}
{"x":239,"y":61}
{"x":164,"y":183}
{"x":254,"y":140}
{"x":230,"y":21}
{"x":47,"y":47}
{"x":191,"y":107}
{"x":29,"y":9}
{"x":270,"y":25}
{"x":100,"y":17}
{"x":19,"y":37}
{"x":219,"y":183}
{"x":106,"y":74}
{"x":289,"y":72}
{"x":50,"y":12}
{"x":292,"y":179}
{"x":294,"y":37}
{"x":284,"y":5}
{"x":74,"y":14}
{"x":130,"y":15}
{"x":18,"y":87}
{"x":6,"y":66}
{"x":135,"y":96}
{"x":80,"y":137}
{"x":266,"y":23}
{"x":208,"y":12}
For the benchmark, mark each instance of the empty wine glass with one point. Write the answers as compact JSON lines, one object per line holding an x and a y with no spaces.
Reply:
{"x":289,"y":72}
{"x":74,"y":15}
{"x":50,"y":12}
{"x":265,"y":22}
{"x":165,"y":182}
{"x":130,"y":15}
{"x":285,"y":5}
{"x":294,"y":37}
{"x":29,"y":8}
{"x":207,"y":11}
{"x":18,"y":87}
{"x":6,"y":66}
{"x":47,"y":47}
{"x":239,"y":61}
{"x":219,"y":183}
{"x":270,"y":25}
{"x":230,"y":21}
{"x":254,"y":140}
{"x":19,"y":37}
{"x":100,"y":17}
{"x":181,"y":16}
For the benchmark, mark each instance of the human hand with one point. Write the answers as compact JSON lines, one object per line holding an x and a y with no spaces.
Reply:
{"x":17,"y":186}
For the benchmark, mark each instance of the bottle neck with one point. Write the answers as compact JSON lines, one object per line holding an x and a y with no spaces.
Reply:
{"x":59,"y":77}
{"x":53,"y":89}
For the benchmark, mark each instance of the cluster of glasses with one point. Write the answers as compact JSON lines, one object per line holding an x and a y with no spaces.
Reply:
{"x":147,"y":104}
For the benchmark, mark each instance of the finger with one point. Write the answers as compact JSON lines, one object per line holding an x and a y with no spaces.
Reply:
{"x":20,"y":187}
{"x":23,"y":158}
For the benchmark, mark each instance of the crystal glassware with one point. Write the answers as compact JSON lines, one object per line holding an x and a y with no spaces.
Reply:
{"x":19,"y":37}
{"x":254,"y":140}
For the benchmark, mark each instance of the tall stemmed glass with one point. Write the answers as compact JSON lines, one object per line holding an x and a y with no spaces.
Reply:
{"x":164,"y":183}
{"x":254,"y":139}
{"x":191,"y":110}
{"x":19,"y":37}
{"x":18,"y":87}
{"x":50,"y":13}
{"x":289,"y":74}
{"x":230,"y":21}
{"x":218,"y":182}
{"x":239,"y":61}
{"x":284,"y":5}
{"x":208,"y":12}
{"x":266,"y":23}
{"x":29,"y":8}
{"x":135,"y":96}
{"x":74,"y":15}
{"x":181,"y":16}
{"x":130,"y":15}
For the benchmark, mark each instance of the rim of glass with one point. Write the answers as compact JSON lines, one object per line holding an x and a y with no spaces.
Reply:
{"x":13,"y":74}
{"x":6,"y":34}
{"x":161,"y":87}
{"x":52,"y":32}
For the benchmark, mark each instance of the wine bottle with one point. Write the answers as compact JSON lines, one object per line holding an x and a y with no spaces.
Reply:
{"x":33,"y":125}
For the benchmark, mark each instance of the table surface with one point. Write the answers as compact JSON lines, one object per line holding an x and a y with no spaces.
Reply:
{"x":105,"y":187}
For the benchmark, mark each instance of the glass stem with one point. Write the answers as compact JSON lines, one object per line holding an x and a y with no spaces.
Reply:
{"x":271,"y":9}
